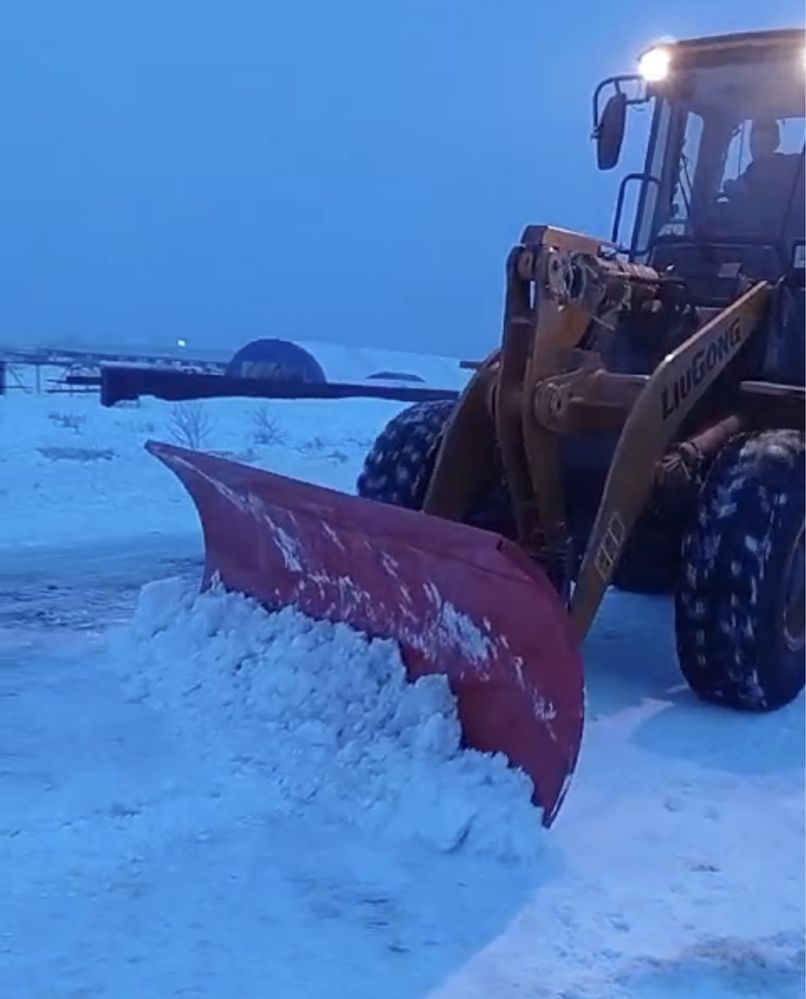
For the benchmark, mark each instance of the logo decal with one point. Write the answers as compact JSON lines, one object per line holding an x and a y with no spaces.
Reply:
{"x":699,"y":367}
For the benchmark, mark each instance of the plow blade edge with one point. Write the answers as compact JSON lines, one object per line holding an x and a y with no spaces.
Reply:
{"x":457,"y":600}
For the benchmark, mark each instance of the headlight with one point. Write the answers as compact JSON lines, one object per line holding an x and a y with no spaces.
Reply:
{"x":654,"y":64}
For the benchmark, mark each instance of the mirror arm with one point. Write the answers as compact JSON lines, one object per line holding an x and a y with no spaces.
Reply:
{"x":616,"y":82}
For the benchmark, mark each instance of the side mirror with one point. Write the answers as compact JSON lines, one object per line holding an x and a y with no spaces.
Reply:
{"x":609,"y":132}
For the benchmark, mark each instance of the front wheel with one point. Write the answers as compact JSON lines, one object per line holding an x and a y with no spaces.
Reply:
{"x":739,"y":607}
{"x":400,"y":464}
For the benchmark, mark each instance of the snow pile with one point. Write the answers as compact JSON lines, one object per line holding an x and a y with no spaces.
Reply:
{"x":327,"y":717}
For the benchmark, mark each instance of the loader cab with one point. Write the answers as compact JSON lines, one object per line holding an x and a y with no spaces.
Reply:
{"x":722,"y":183}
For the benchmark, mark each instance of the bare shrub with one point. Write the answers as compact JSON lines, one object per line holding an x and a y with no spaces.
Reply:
{"x":69,"y":421}
{"x":321,"y":447}
{"x":191,"y":424}
{"x":267,"y":429}
{"x":316,"y":445}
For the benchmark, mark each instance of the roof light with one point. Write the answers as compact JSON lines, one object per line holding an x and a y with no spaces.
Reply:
{"x":654,"y":64}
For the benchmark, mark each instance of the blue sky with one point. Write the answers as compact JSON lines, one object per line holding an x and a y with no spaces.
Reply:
{"x":224,"y":169}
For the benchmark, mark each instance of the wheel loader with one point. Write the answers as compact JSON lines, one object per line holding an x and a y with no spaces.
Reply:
{"x":641,"y":423}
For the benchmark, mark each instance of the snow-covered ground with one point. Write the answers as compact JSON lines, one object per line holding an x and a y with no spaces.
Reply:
{"x":201,"y":799}
{"x":72,"y":470}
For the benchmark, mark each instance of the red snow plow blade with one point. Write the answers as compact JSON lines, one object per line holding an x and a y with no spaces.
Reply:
{"x":458,"y":600}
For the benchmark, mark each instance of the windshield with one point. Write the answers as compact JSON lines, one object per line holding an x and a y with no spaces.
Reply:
{"x":734,"y":146}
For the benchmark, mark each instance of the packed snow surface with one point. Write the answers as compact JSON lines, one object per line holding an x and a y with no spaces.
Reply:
{"x":204,"y":799}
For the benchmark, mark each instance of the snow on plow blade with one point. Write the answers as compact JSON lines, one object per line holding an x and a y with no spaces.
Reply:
{"x":458,"y":600}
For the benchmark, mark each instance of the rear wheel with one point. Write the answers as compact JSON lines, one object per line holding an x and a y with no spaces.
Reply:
{"x":739,"y":606}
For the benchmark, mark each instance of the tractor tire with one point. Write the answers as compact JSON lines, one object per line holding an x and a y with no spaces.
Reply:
{"x":739,"y":606}
{"x":400,"y":463}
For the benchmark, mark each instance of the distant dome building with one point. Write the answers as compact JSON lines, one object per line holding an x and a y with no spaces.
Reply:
{"x":276,"y":360}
